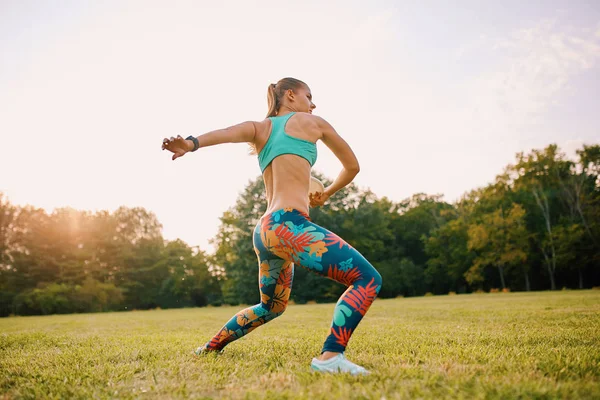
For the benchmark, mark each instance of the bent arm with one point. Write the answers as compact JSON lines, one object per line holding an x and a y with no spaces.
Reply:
{"x":244,"y":132}
{"x":343,"y":152}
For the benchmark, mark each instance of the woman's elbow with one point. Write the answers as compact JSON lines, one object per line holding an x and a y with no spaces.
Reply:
{"x":354,"y":169}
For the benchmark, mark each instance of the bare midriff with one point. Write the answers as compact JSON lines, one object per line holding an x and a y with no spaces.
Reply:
{"x":287,"y":180}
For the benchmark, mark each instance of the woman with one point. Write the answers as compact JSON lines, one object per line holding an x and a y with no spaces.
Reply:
{"x":286,"y":146}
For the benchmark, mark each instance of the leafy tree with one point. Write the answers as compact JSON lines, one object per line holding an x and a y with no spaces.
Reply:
{"x":536,"y":173}
{"x":449,"y":258}
{"x":568,"y":239}
{"x":235,"y":251}
{"x":500,"y":240}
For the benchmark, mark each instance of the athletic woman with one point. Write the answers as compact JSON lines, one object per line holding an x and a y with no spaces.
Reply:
{"x":285,"y":143}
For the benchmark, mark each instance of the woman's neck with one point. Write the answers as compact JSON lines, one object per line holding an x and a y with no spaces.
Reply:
{"x":283,"y":110}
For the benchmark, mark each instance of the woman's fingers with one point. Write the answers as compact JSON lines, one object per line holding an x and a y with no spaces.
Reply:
{"x":174,"y":144}
{"x":315,"y":203}
{"x":315,"y":199}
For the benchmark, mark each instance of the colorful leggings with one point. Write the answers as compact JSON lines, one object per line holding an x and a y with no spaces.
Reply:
{"x":287,"y":237}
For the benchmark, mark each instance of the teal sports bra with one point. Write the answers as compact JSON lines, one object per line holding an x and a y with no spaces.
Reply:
{"x":280,"y":143}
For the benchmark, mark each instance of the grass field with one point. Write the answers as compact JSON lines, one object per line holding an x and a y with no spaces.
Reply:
{"x":504,"y":345}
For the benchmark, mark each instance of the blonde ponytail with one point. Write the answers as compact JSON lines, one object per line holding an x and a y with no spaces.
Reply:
{"x":272,"y":100}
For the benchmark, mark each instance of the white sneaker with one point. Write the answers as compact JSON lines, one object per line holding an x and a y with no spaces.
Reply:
{"x":202,"y":350}
{"x":338,"y":364}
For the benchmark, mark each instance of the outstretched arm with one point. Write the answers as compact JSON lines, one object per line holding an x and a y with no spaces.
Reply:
{"x":244,"y":132}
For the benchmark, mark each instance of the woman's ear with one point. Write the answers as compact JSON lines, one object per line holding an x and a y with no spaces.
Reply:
{"x":290,"y":94}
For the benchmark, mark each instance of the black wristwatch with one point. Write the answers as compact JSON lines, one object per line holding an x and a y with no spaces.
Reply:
{"x":193,"y":139}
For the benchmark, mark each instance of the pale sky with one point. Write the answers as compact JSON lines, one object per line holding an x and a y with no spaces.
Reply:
{"x":432,"y":97}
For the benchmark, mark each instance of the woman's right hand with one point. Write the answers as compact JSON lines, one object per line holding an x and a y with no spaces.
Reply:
{"x":177,"y":145}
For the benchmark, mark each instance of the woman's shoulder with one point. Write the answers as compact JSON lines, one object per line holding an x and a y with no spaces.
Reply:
{"x":310,"y":118}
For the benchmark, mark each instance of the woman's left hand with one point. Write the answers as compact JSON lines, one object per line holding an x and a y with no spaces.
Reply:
{"x":317,"y":199}
{"x":177,"y":145}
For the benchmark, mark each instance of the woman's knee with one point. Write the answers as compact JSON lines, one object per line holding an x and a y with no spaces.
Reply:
{"x":372,"y":277}
{"x":269,"y":311}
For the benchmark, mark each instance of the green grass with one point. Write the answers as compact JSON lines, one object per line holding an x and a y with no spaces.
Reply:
{"x":505,"y":345}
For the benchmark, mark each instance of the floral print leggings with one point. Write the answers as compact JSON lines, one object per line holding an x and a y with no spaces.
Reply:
{"x":287,"y":237}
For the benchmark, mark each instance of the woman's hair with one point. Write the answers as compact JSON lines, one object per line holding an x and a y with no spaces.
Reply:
{"x":275,"y":93}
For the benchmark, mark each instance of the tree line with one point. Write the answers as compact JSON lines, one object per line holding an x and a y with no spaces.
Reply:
{"x":536,"y":227}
